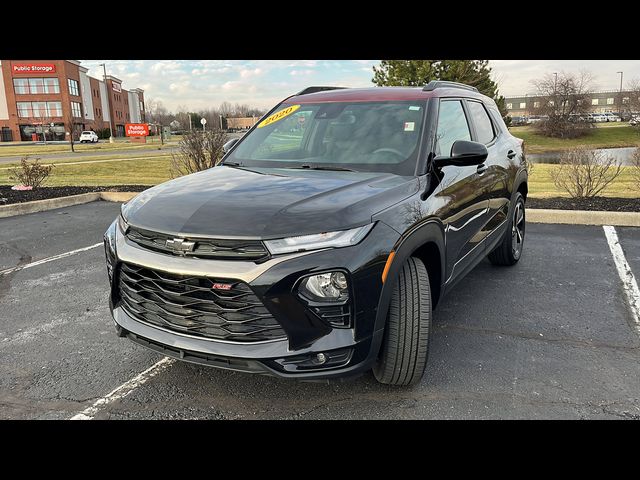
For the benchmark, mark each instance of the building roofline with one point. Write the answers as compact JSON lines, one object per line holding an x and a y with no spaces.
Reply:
{"x":75,"y":62}
{"x":113,"y":79}
{"x":617,"y":92}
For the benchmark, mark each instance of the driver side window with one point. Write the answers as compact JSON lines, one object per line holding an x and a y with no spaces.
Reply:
{"x":452,"y":126}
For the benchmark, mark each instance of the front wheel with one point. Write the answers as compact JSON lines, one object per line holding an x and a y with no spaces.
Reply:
{"x":510,"y":249}
{"x":405,"y":345}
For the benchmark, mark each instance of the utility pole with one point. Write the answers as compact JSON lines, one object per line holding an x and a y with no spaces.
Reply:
{"x":190,"y":127}
{"x":555,"y":94}
{"x":620,"y":105}
{"x":104,"y":66}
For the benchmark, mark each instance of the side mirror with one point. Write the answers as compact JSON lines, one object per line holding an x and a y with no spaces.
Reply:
{"x":227,"y":146}
{"x":463,"y":153}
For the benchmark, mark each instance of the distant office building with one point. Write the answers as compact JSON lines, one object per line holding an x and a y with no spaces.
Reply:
{"x":597,"y":102}
{"x":37,"y":94}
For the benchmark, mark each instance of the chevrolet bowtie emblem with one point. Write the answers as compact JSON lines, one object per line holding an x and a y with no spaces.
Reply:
{"x":180,"y":245}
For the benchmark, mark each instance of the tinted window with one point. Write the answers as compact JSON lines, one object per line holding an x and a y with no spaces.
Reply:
{"x":452,"y":126}
{"x":481,"y":121}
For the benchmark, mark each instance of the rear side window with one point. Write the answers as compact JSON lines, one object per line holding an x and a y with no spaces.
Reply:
{"x":482,"y":122}
{"x":452,"y":126}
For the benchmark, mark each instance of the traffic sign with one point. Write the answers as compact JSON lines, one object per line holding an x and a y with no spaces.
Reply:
{"x":203,"y":121}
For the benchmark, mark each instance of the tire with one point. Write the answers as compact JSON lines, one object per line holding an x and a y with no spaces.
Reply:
{"x":509,"y":251}
{"x":405,"y":345}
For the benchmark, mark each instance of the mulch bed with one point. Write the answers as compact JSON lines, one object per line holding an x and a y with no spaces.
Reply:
{"x":610,"y":204}
{"x":8,"y":196}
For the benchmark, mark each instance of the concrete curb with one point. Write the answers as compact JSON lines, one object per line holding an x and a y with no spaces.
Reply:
{"x":584,"y":217}
{"x":61,"y":202}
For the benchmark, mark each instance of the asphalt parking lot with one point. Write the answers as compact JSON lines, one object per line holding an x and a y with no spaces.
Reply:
{"x":553,"y":337}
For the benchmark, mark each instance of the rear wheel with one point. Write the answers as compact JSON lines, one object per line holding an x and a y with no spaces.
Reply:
{"x":510,"y":249}
{"x":405,"y":346}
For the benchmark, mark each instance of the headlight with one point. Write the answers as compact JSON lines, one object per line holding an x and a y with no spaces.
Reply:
{"x":110,"y":248}
{"x":122,"y":223}
{"x":342,"y":238}
{"x":330,"y":286}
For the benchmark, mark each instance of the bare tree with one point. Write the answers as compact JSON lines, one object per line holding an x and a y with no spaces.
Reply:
{"x":69,"y":125}
{"x":584,"y":173}
{"x":561,"y":100}
{"x":198,"y":151}
{"x":635,"y":169}
{"x":633,"y":89}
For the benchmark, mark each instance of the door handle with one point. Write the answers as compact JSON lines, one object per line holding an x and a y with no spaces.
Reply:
{"x":511,"y":154}
{"x":482,"y":168}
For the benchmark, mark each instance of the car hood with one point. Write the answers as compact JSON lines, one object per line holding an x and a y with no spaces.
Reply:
{"x":266,"y":203}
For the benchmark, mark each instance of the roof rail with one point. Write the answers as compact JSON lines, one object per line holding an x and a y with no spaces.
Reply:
{"x":317,"y":89}
{"x":433,"y":84}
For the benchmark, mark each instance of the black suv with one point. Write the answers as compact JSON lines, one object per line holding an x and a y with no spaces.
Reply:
{"x":322,"y":242}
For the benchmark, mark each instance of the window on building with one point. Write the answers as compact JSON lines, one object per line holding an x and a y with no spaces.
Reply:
{"x":625,"y":100}
{"x":73,"y":87}
{"x":509,"y":106}
{"x":76,"y":109}
{"x":54,"y":109}
{"x":482,"y":122}
{"x":523,"y":105}
{"x":610,"y":101}
{"x":36,"y":85}
{"x":594,"y":101}
{"x":39,"y":109}
{"x":24,"y":109}
{"x":25,"y":86}
{"x":536,"y":104}
{"x":21,"y":86}
{"x":51,"y":85}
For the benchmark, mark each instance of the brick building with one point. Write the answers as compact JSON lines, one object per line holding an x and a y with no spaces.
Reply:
{"x":60,"y":97}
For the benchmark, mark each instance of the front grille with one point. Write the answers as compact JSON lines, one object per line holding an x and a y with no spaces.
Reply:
{"x":189,"y":305}
{"x":212,"y":248}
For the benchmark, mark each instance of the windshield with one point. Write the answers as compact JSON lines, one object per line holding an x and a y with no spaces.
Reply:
{"x":361,"y":136}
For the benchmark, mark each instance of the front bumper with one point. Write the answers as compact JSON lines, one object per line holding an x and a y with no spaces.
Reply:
{"x":347,"y":351}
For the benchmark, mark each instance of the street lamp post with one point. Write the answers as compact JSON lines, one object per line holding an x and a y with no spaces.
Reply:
{"x":104,"y":66}
{"x":620,"y":104}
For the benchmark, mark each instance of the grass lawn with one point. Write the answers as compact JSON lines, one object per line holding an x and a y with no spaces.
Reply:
{"x":541,"y":184}
{"x":606,"y":135}
{"x":89,"y":158}
{"x":80,"y":148}
{"x":143,"y":171}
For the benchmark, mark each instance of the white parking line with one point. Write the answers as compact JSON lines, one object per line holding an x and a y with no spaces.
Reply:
{"x":48,"y":259}
{"x":629,"y":284}
{"x":124,"y":389}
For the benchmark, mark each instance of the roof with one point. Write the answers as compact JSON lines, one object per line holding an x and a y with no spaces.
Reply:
{"x":380,"y":94}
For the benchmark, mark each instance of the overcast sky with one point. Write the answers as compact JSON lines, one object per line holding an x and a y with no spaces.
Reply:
{"x":197,"y":84}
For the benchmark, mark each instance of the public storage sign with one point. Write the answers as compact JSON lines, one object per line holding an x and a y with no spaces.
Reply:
{"x":29,"y":68}
{"x":136,"y":129}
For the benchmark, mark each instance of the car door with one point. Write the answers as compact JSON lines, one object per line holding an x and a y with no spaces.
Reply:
{"x":460,"y":198}
{"x":495,"y":179}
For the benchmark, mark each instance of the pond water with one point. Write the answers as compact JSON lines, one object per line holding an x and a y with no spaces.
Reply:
{"x":623,"y":155}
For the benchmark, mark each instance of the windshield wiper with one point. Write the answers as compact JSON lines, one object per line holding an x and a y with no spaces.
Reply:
{"x":306,"y":166}
{"x":232,"y":164}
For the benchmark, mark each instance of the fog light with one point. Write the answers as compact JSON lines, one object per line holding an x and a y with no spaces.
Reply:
{"x":330,"y":286}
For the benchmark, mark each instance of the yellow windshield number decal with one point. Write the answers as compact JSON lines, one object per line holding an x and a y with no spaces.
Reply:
{"x":278,"y":115}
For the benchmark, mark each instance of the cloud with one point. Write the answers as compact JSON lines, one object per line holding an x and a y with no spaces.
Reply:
{"x":247,"y":73}
{"x":301,"y":72}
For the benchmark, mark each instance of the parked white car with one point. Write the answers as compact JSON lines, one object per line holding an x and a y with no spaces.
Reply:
{"x":89,"y":136}
{"x":612,"y":117}
{"x":599,"y":117}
